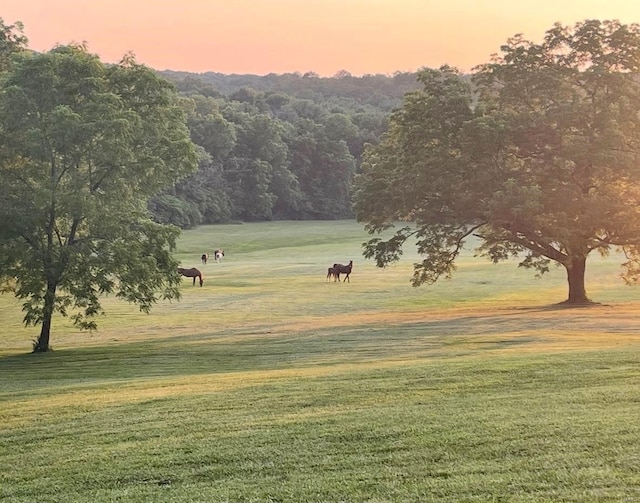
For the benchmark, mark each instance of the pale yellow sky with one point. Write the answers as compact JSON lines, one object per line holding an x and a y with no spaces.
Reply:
{"x":281,"y":36}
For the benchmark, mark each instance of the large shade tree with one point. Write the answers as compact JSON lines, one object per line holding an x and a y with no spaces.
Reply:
{"x":82,"y":147}
{"x":538,"y":156}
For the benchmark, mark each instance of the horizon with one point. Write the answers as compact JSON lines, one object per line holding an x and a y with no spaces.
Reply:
{"x":325,"y":37}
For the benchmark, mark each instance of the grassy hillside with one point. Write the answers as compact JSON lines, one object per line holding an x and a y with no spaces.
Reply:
{"x":271,"y":383}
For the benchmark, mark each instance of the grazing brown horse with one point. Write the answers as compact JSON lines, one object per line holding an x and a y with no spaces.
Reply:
{"x":204,"y":258}
{"x":192,"y":273}
{"x":343,"y":269}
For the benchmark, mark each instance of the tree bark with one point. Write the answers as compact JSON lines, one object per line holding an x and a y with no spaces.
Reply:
{"x":576,"y":268}
{"x":41,"y":345}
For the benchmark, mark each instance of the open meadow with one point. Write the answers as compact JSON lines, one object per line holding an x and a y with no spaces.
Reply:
{"x":272,"y":384}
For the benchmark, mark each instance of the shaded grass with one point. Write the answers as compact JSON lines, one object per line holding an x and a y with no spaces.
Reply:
{"x":271,"y":384}
{"x":451,"y":429}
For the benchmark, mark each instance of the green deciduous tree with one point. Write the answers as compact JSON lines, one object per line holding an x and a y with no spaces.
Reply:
{"x":82,"y":147}
{"x":539,"y":157}
{"x":324,"y":168}
{"x":257,"y":170}
{"x":202,"y":197}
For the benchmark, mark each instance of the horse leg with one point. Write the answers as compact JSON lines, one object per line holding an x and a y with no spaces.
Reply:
{"x":194,"y":281}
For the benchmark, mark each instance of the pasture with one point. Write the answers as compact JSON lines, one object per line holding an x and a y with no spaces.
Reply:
{"x":272,"y":384}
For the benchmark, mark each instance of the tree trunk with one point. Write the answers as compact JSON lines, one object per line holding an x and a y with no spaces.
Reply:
{"x":42,"y":344}
{"x":575,"y":276}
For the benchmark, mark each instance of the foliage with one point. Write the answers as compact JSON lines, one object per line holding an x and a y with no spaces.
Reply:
{"x":540,"y":159}
{"x":283,"y":147}
{"x":12,"y":42}
{"x":379,"y":92}
{"x":82,"y":147}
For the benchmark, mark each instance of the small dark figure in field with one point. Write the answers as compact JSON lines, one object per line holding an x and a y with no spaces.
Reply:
{"x":218,"y":254}
{"x":331,"y":273}
{"x":343,"y":269}
{"x":192,"y":273}
{"x":204,"y":258}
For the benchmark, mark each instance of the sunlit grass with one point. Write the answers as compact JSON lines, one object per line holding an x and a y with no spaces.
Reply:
{"x":272,"y":384}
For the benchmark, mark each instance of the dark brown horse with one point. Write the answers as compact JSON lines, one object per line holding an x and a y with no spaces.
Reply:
{"x":204,"y":258}
{"x":331,"y":273}
{"x":192,"y":273}
{"x":343,"y":269}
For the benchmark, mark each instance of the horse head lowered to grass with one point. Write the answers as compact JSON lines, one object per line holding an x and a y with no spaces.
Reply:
{"x":192,"y":273}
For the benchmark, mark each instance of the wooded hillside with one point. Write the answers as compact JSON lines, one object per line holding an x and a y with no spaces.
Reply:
{"x":277,"y":146}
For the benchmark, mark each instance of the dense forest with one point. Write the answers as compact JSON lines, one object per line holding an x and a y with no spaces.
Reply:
{"x":276,"y":146}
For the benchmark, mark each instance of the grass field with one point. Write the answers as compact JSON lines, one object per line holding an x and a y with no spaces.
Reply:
{"x":271,"y":384}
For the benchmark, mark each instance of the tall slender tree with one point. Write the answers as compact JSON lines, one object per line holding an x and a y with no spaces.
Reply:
{"x":82,"y":147}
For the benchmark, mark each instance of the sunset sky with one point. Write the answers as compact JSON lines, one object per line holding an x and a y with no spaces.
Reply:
{"x":282,"y":36}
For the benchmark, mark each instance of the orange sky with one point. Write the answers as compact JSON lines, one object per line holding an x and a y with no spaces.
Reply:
{"x":281,"y":36}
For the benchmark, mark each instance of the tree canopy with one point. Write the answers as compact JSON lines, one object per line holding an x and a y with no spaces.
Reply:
{"x":83,"y":146}
{"x":269,"y":156}
{"x":12,"y":42}
{"x":538,"y":156}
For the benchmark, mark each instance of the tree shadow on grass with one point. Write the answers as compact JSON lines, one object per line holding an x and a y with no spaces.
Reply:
{"x":243,"y":351}
{"x":560,"y":306}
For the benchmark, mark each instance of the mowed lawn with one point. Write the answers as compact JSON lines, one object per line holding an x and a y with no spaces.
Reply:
{"x":272,"y":384}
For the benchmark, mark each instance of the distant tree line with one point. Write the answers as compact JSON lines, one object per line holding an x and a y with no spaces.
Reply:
{"x":276,"y":147}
